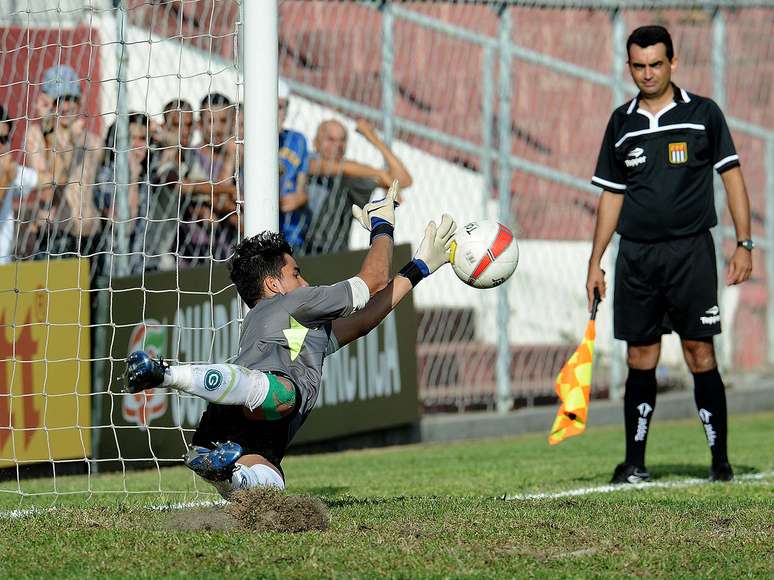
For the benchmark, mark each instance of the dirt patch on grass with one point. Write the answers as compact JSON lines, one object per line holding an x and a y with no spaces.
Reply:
{"x":268,"y":509}
{"x":257,"y":510}
{"x":215,"y":518}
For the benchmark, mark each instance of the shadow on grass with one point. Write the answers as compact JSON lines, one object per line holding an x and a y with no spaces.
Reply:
{"x":670,"y":470}
{"x":353,"y":501}
{"x":327,"y":492}
{"x":698,"y":471}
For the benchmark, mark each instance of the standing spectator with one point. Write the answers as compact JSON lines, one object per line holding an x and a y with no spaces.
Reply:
{"x":174,"y":162}
{"x":212,"y":187}
{"x":16,"y":182}
{"x":337,"y":183}
{"x":67,"y":151}
{"x":293,"y":160}
{"x":142,"y":246}
{"x":655,"y":167}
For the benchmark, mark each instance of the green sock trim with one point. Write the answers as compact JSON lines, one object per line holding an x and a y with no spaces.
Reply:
{"x":279,"y":394}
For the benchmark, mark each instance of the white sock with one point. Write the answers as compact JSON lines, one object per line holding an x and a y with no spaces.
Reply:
{"x":222,"y":384}
{"x":245,"y":477}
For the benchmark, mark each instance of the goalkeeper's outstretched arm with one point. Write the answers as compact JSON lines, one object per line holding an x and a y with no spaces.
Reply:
{"x":378,"y":217}
{"x":433,"y":253}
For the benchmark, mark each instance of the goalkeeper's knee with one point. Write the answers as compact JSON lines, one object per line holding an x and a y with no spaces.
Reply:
{"x":280,"y":400}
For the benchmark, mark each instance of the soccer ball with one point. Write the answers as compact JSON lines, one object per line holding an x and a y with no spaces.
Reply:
{"x":484,"y":254}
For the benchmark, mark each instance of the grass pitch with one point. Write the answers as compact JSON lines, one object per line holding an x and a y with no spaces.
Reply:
{"x":430,"y":511}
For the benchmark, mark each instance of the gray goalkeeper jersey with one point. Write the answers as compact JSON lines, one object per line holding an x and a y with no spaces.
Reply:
{"x":291,"y":334}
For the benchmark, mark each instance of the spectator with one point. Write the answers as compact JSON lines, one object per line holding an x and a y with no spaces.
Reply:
{"x":293,"y":159}
{"x":336,"y":183}
{"x":211,"y":186}
{"x":67,"y":151}
{"x":174,"y":162}
{"x":16,"y":183}
{"x":141,"y":242}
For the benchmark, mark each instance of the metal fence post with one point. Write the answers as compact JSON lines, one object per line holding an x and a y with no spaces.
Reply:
{"x":388,"y":60}
{"x":504,"y":397}
{"x":616,"y":348}
{"x":770,"y":248}
{"x":487,"y":114}
{"x":723,"y":346}
{"x":121,"y":144}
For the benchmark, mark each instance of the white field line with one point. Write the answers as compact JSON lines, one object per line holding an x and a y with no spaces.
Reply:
{"x":168,"y":507}
{"x":15,"y":514}
{"x":750,"y":477}
{"x":23,"y":513}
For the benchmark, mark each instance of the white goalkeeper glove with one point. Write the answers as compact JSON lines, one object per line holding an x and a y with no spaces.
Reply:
{"x":378,"y":216}
{"x":433,"y":250}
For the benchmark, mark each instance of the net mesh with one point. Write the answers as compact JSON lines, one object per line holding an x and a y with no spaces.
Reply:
{"x":122,"y":184}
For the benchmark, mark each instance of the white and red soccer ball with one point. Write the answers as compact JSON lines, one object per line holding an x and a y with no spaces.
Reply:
{"x":484,"y":254}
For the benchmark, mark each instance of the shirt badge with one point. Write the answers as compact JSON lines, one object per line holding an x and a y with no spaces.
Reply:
{"x":678,"y":153}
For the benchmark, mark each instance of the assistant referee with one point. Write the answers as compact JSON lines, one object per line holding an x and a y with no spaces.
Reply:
{"x":655,"y":168}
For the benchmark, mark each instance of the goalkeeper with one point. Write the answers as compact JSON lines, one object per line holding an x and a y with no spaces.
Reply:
{"x":257,"y":405}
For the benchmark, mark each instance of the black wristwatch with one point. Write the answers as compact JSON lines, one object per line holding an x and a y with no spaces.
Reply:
{"x":746,"y":244}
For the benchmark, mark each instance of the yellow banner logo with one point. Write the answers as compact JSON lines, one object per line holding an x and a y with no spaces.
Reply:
{"x":45,"y":378}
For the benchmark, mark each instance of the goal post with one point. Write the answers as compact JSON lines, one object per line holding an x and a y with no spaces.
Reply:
{"x":260,"y":110}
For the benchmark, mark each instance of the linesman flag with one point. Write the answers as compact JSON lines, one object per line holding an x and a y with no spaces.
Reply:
{"x":573,"y":385}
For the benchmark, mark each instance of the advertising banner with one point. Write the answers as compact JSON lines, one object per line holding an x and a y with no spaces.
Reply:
{"x":45,"y":377}
{"x":193,"y":315}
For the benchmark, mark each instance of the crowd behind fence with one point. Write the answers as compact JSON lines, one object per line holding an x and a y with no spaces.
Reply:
{"x":422,"y":89}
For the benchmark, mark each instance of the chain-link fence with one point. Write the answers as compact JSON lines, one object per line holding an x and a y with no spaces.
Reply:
{"x":484,"y":110}
{"x":499,"y":112}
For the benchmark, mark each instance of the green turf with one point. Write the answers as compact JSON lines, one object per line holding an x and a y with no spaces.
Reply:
{"x":431,"y":511}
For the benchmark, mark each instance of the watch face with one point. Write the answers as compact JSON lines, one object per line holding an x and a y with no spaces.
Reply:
{"x":747,"y":244}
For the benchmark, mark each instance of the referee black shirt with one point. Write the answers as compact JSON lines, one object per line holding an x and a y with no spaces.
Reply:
{"x":663,"y":163}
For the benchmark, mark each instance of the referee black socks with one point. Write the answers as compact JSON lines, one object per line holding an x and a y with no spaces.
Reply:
{"x":639,"y":403}
{"x":710,"y":396}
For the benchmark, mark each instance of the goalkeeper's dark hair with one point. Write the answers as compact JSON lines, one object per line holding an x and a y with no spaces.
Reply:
{"x":254,"y":259}
{"x":646,"y":36}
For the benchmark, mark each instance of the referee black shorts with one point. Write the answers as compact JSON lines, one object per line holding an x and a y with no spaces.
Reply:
{"x":664,"y":286}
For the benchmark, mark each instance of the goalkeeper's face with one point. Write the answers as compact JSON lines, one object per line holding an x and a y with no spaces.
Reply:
{"x":290,"y":278}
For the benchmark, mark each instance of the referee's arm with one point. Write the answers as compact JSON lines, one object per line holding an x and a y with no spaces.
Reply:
{"x":740,"y":266}
{"x":608,"y":212}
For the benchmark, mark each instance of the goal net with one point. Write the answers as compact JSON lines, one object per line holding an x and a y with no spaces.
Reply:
{"x":123,"y":191}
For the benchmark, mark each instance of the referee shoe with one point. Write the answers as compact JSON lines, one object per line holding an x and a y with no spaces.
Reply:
{"x":627,"y":473}
{"x":213,"y":464}
{"x":143,"y":372}
{"x":721,"y":472}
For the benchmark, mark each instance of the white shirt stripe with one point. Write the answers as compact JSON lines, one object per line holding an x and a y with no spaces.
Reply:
{"x":600,"y":181}
{"x":659,"y":129}
{"x":726,"y":160}
{"x":631,"y":106}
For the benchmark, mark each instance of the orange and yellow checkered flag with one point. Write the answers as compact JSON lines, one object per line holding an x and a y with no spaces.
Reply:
{"x":573,"y":386}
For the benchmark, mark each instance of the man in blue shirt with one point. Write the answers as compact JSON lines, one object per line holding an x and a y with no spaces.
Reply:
{"x":293,"y":161}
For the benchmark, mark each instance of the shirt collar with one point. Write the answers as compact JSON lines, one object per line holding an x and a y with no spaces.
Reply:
{"x":680,"y":96}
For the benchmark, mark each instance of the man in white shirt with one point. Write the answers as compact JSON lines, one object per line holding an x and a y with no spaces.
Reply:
{"x":16,"y":182}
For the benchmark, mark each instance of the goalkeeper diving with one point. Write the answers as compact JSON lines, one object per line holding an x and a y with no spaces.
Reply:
{"x":257,"y":405}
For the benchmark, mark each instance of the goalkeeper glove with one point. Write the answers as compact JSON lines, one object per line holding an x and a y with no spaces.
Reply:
{"x":378,"y":216}
{"x":433,"y":250}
